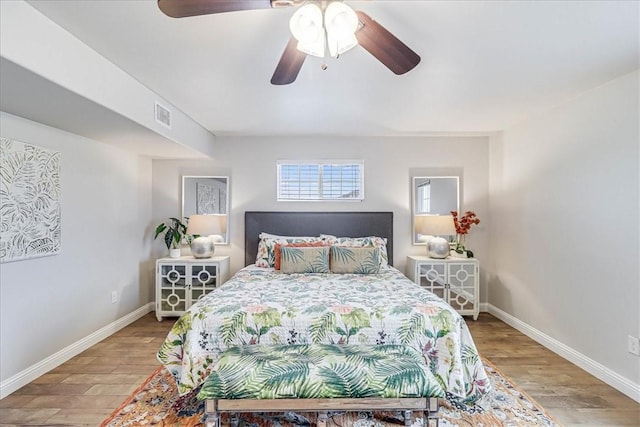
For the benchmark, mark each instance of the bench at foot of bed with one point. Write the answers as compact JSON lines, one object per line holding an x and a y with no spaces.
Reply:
{"x":320,"y":378}
{"x":214,"y":407}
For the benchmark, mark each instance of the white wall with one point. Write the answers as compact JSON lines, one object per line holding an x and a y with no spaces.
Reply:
{"x":47,"y":304}
{"x":389,"y":165}
{"x":565,"y":224}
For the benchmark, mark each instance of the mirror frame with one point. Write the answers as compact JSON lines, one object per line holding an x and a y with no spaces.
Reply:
{"x":413,"y":202}
{"x":190,"y":181}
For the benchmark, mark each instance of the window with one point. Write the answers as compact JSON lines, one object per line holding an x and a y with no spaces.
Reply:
{"x":331,"y":180}
{"x":424,"y":197}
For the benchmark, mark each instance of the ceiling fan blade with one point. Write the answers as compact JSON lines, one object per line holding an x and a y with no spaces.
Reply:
{"x":384,"y":46}
{"x":289,"y":65}
{"x":183,"y":8}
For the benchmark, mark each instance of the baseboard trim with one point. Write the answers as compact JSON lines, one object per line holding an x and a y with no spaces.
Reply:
{"x":615,"y":380}
{"x":34,"y":371}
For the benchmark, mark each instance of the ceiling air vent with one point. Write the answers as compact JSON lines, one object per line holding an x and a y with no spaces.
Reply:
{"x":163,"y":115}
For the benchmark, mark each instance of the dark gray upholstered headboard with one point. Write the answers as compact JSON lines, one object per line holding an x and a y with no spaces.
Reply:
{"x":341,"y":224}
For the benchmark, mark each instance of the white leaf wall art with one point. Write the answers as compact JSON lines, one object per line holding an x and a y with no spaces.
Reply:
{"x":207,"y":198}
{"x":29,"y":201}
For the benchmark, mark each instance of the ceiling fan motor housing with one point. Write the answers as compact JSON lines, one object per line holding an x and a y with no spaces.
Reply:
{"x":285,"y":3}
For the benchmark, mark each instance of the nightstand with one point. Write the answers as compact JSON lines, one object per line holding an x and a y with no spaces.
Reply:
{"x":180,"y":282}
{"x":455,"y":280}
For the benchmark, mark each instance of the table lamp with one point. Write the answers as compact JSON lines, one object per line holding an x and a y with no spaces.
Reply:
{"x":210,"y":230}
{"x":438,"y":226}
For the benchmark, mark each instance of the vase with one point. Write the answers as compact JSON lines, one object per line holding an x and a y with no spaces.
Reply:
{"x":454,"y":254}
{"x":174,"y":253}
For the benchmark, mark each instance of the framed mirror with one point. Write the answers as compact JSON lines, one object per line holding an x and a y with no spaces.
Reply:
{"x":433,"y":195}
{"x":207,"y":195}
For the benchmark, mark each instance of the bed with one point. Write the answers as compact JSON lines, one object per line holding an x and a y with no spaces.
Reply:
{"x":261,"y":306}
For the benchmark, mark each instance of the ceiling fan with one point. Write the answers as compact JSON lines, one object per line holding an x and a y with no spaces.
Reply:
{"x":366,"y":32}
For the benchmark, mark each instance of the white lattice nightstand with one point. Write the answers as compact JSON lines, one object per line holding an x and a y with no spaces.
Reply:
{"x":456,"y":280}
{"x":182,"y":281}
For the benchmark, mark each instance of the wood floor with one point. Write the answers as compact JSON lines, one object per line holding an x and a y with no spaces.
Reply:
{"x":86,"y":389}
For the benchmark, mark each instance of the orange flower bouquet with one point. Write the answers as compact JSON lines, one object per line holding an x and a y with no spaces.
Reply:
{"x":463,"y":225}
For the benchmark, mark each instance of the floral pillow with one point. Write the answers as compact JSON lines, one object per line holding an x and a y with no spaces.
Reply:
{"x":304,"y":259}
{"x":351,"y":260}
{"x":266,"y":256}
{"x":360,"y":242}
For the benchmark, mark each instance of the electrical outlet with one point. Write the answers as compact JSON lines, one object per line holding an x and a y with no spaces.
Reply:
{"x":114,"y":297}
{"x":633,"y":345}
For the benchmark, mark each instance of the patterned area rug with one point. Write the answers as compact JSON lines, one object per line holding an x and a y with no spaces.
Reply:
{"x":156,"y":402}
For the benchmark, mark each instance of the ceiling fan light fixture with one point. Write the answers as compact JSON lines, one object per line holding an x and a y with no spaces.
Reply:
{"x":306,"y":27}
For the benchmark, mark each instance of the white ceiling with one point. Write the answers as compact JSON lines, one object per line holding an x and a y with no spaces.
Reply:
{"x":485,"y":65}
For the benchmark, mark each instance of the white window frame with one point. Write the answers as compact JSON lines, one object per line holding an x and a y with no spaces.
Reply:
{"x":320,"y":164}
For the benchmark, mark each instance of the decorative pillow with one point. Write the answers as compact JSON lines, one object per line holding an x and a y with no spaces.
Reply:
{"x":304,"y":259}
{"x":264,"y":235}
{"x":360,"y":242}
{"x":278,"y":249}
{"x":266,"y":248}
{"x":353,"y":260}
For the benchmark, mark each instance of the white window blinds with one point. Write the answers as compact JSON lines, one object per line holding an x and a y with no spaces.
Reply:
{"x":313,"y":181}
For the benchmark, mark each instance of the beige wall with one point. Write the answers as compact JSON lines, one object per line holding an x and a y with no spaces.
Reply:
{"x":564,"y":226}
{"x":47,"y":304}
{"x":389,"y":164}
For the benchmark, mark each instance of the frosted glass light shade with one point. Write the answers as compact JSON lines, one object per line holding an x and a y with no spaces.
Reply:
{"x":341,"y":23}
{"x":338,"y":46}
{"x":306,"y":27}
{"x":314,"y":31}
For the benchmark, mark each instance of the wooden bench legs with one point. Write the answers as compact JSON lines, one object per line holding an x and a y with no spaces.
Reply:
{"x":214,"y":407}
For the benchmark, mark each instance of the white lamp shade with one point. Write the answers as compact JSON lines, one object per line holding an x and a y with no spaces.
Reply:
{"x":306,"y":27}
{"x":435,"y":225}
{"x":206,"y":225}
{"x":418,"y":224}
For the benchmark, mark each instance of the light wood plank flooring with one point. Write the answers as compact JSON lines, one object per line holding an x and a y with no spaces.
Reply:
{"x":86,"y":389}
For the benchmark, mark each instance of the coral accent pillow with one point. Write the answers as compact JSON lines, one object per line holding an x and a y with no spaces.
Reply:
{"x":277,"y":249}
{"x":266,"y":247}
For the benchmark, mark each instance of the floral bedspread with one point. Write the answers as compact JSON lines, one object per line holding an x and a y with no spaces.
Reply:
{"x":320,"y":371}
{"x":262,"y":306}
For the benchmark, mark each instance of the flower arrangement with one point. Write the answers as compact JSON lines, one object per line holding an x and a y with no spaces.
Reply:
{"x":463,"y":225}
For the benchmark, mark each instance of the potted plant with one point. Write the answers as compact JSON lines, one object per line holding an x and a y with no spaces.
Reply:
{"x":173,"y":231}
